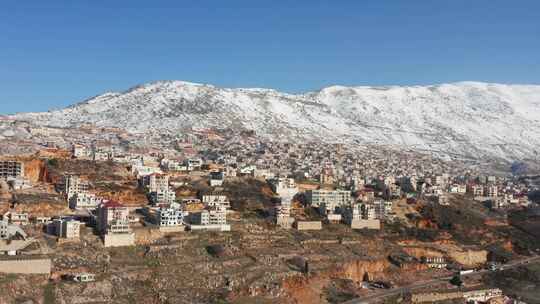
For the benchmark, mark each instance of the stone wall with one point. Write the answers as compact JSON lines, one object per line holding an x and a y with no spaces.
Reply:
{"x":26,"y":266}
{"x":308,"y":225}
{"x":119,"y":239}
{"x":435,"y":297}
{"x":368,"y":224}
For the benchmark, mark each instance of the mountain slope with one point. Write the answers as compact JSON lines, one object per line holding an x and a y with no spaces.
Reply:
{"x":468,"y":118}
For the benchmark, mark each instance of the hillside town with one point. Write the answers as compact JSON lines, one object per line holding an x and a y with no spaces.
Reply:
{"x":254,"y":220}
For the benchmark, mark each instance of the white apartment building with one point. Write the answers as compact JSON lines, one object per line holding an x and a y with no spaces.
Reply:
{"x":80,"y":151}
{"x":491,"y":191}
{"x":84,"y":201}
{"x":327,"y":199}
{"x":210,"y":219}
{"x":167,"y":196}
{"x":169,"y":217}
{"x":216,"y":200}
{"x":156,"y":182}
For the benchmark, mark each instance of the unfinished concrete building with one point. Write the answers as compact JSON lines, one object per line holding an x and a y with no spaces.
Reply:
{"x":11,"y":169}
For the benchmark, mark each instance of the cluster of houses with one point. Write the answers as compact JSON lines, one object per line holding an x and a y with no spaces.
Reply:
{"x":363,"y":181}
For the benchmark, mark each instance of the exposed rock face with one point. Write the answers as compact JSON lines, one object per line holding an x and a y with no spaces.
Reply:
{"x":308,"y":289}
{"x":469,"y":257}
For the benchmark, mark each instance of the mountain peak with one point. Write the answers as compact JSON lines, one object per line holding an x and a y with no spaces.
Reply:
{"x":470,"y":119}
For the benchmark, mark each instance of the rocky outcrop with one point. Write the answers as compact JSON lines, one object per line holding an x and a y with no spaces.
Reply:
{"x":308,"y":288}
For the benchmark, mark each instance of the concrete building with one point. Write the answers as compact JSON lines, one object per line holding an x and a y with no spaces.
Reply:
{"x":113,"y":224}
{"x":11,"y":169}
{"x":216,"y":179}
{"x":67,"y":228}
{"x":356,"y":218}
{"x":74,"y":185}
{"x":383,"y":209}
{"x":214,"y":218}
{"x":330,"y":199}
{"x":163,"y":196}
{"x":18,"y":218}
{"x":491,"y":191}
{"x":84,"y":200}
{"x":169,"y":217}
{"x":80,"y":151}
{"x":156,"y":182}
{"x":476,"y":190}
{"x":283,"y":215}
{"x":113,"y":217}
{"x":216,"y":199}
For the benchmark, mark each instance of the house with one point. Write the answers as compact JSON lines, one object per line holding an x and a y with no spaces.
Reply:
{"x":113,"y":224}
{"x":216,"y":179}
{"x":355,"y":217}
{"x":84,"y":200}
{"x":169,"y":216}
{"x":84,"y":277}
{"x":216,"y":199}
{"x":476,"y":190}
{"x":67,"y":228}
{"x":213,"y":218}
{"x":163,"y":196}
{"x":435,"y":262}
{"x":80,"y":151}
{"x":18,"y":218}
{"x":283,"y":215}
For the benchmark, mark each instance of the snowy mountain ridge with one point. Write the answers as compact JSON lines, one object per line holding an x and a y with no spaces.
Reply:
{"x":471,"y":119}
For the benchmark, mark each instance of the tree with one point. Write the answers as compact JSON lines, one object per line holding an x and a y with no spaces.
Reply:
{"x":456,"y":280}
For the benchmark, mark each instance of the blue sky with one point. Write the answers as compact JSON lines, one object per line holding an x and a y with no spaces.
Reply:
{"x":56,"y":53}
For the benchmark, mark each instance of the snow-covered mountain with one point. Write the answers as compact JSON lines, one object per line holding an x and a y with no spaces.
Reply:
{"x":467,"y":118}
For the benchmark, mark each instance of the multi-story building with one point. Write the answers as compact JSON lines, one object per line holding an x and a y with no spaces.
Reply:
{"x":156,"y":182}
{"x":491,"y":191}
{"x":214,"y":218}
{"x":216,"y":199}
{"x":84,"y":200}
{"x":216,"y":179}
{"x":476,"y":190}
{"x":169,"y":217}
{"x":163,"y":196}
{"x":329,"y":200}
{"x":74,"y":185}
{"x":66,"y":228}
{"x":113,"y":217}
{"x":286,"y":188}
{"x":11,"y":169}
{"x":80,"y":151}
{"x":113,"y":224}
